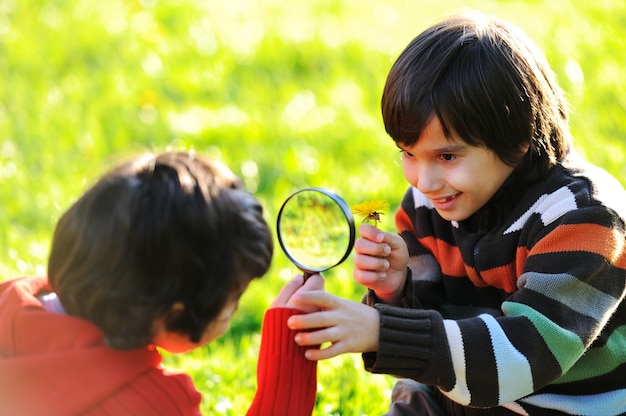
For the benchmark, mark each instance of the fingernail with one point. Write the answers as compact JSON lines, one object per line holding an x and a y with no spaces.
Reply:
{"x":383,"y":276}
{"x":385,"y":264}
{"x":387,"y":249}
{"x":297,"y":339}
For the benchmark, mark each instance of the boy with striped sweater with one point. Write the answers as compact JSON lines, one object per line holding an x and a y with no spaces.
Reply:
{"x":503,"y":292}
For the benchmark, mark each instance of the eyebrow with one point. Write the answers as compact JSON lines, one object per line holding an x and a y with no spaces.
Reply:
{"x":452,"y":148}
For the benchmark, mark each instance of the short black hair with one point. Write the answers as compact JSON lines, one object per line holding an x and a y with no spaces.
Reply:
{"x":154,"y":231}
{"x":486,"y":82}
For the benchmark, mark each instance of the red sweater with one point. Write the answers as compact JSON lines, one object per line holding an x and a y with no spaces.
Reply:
{"x":55,"y":364}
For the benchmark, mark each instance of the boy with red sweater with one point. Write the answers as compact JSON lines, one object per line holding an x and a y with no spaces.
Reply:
{"x":155,"y":253}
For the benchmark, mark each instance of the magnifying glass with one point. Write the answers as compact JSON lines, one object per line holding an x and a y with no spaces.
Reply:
{"x":315,"y":230}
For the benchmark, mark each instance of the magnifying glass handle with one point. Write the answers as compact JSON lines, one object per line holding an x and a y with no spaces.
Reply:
{"x":306,"y":275}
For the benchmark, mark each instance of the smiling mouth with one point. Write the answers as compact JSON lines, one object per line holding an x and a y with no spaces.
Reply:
{"x":444,"y":199}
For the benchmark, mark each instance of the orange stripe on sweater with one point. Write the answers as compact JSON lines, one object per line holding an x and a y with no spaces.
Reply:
{"x":474,"y":277}
{"x":502,"y":277}
{"x":591,"y":238}
{"x":520,"y":260}
{"x":448,"y":257}
{"x":403,"y":222}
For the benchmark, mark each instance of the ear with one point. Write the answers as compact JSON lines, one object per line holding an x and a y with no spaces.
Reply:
{"x":160,"y":324}
{"x":177,"y":308}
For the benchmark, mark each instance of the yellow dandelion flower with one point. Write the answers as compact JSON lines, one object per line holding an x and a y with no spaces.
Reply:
{"x":371,"y":210}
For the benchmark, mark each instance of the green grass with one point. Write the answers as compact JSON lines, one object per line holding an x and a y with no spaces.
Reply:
{"x":286,"y":93}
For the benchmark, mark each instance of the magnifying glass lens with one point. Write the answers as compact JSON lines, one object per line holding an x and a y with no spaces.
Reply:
{"x":315,"y":229}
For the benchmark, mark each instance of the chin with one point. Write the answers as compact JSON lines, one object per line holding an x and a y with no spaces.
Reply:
{"x":451,"y":216}
{"x":176,"y":349}
{"x":175,"y":343}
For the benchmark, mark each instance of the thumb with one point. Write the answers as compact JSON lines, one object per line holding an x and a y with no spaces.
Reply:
{"x":287,"y":292}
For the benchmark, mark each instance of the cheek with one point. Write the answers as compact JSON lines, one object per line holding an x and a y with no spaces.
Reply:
{"x":215,"y":331}
{"x":410,"y":173}
{"x":220,"y":326}
{"x":472,"y":176}
{"x":463,"y":181}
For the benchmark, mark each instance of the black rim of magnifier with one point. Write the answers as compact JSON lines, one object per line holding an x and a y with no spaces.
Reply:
{"x":347,"y":214}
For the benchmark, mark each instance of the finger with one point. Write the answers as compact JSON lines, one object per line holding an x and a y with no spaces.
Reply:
{"x":365,"y":246}
{"x":325,"y":353}
{"x":314,"y":282}
{"x":287,"y":292}
{"x":372,"y":233}
{"x":307,"y":321}
{"x":317,"y":298}
{"x":316,"y":337}
{"x":371,"y":248}
{"x":395,"y":241}
{"x":364,"y":262}
{"x":368,"y":278}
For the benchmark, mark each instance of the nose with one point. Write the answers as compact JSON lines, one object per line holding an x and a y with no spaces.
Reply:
{"x":428,"y":180}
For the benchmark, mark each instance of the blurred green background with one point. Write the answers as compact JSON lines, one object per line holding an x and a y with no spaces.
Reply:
{"x":286,"y":93}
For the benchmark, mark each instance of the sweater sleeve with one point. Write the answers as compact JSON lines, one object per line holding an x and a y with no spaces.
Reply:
{"x":287,"y":381}
{"x":412,"y":344}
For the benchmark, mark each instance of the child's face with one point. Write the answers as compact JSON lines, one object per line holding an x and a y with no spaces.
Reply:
{"x":457,"y":178}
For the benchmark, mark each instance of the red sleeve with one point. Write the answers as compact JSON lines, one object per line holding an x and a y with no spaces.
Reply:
{"x":287,"y":381}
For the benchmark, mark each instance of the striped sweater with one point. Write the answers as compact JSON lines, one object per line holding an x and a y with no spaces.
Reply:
{"x":520,"y":308}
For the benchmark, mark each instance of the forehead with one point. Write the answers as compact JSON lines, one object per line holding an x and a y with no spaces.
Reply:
{"x":434,"y":139}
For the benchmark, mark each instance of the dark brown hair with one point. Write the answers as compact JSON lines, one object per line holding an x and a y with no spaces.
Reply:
{"x":154,"y":231}
{"x":486,"y":82}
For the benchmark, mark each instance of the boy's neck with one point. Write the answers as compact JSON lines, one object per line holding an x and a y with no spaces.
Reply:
{"x":499,"y":207}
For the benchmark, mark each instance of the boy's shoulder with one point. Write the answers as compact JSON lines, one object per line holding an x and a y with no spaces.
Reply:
{"x":571,"y":193}
{"x":591,"y":185}
{"x":580,"y":185}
